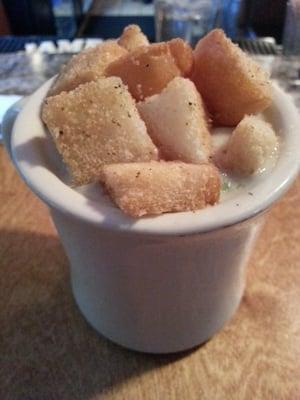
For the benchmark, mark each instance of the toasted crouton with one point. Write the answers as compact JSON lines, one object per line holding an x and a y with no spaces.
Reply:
{"x":177,"y":123}
{"x":252,"y":145}
{"x":132,"y":37}
{"x":158,"y":187}
{"x":96,"y":124}
{"x":231,"y":83}
{"x":86,"y":66}
{"x":148,"y":69}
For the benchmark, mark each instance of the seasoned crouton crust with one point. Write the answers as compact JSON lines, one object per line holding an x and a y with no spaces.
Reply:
{"x":148,"y":69}
{"x":86,"y":66}
{"x":252,"y":145}
{"x":132,"y":37}
{"x":177,"y":123}
{"x":95,"y":124}
{"x":231,"y":83}
{"x":158,"y":187}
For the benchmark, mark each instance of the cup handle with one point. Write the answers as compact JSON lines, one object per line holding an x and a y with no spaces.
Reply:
{"x":8,"y":123}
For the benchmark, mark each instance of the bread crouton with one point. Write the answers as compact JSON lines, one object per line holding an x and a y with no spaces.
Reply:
{"x":252,"y":145}
{"x":95,"y":124}
{"x":86,"y":66}
{"x":148,"y":69}
{"x":158,"y":187}
{"x":231,"y":83}
{"x":132,"y":37}
{"x":177,"y":123}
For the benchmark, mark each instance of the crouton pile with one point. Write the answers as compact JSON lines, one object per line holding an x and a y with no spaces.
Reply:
{"x":137,"y":117}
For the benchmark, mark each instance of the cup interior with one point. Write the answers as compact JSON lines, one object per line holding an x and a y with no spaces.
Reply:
{"x":39,"y":164}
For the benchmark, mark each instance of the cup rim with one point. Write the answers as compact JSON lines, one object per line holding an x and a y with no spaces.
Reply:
{"x":56,"y":194}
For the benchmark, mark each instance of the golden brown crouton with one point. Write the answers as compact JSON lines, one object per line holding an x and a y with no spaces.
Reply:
{"x":177,"y":123}
{"x":231,"y":83}
{"x":132,"y":37}
{"x":86,"y":66}
{"x":96,"y":124}
{"x":159,"y":187}
{"x":148,"y":69}
{"x":251,"y":147}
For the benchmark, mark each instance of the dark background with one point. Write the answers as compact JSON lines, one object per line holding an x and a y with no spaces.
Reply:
{"x":36,"y":18}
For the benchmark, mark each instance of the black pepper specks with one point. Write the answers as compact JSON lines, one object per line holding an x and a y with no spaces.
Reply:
{"x":115,"y":122}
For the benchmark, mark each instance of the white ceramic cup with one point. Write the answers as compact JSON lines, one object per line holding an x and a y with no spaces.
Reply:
{"x":161,"y":284}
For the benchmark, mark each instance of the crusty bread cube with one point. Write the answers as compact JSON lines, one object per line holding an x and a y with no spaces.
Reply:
{"x":158,"y":187}
{"x":132,"y":37}
{"x":252,"y":145}
{"x":148,"y":69}
{"x":231,"y":83}
{"x":177,"y":123}
{"x":95,"y":124}
{"x":86,"y":66}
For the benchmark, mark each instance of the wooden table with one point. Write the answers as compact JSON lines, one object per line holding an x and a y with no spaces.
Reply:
{"x":48,"y":351}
